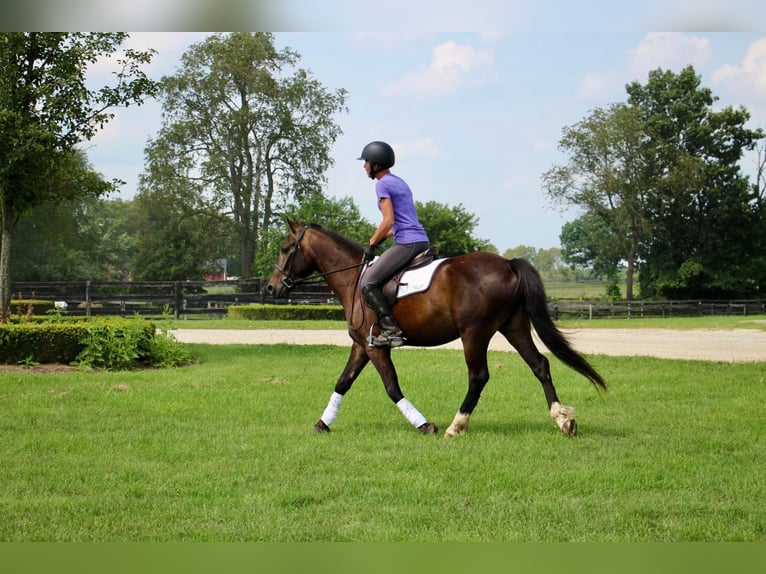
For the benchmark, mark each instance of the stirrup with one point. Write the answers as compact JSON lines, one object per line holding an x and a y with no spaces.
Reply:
{"x":384,"y":340}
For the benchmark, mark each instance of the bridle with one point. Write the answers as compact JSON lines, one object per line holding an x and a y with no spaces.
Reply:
{"x":286,"y":269}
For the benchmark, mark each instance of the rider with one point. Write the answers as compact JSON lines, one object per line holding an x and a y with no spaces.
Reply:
{"x":400,"y":220}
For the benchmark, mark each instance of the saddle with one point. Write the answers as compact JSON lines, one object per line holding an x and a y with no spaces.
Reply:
{"x":421,"y":260}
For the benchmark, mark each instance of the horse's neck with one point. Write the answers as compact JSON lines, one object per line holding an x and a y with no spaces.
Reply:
{"x":341,"y":264}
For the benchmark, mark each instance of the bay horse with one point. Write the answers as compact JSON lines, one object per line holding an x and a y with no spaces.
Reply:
{"x":471,"y":297}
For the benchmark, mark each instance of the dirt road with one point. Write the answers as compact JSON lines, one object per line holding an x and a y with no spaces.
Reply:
{"x":710,"y":345}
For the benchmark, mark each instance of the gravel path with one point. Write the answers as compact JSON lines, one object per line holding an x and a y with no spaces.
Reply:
{"x":710,"y":345}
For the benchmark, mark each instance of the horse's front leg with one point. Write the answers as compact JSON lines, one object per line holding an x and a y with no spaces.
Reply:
{"x":357,"y":360}
{"x":478,"y":375}
{"x":381,"y":358}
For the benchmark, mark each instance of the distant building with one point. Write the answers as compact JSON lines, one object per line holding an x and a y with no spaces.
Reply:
{"x":219,"y":271}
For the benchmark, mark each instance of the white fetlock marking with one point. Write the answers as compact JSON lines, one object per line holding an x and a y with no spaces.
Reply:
{"x":459,"y":425}
{"x":561,"y":414}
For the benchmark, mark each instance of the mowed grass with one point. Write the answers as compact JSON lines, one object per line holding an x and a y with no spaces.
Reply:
{"x":223,"y":451}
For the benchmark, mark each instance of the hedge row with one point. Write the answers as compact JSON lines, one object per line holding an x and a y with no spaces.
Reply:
{"x":287,"y":312}
{"x":105,"y":342}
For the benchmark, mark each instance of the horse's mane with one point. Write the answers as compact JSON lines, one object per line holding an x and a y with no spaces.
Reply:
{"x":337,"y":236}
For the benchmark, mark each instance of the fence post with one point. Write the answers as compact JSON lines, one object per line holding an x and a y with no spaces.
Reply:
{"x":176,"y":299}
{"x":87,"y":298}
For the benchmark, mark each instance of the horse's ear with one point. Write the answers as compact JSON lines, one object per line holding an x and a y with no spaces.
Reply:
{"x":293,"y":225}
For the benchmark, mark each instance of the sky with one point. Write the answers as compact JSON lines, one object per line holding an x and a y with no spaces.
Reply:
{"x":475,"y":118}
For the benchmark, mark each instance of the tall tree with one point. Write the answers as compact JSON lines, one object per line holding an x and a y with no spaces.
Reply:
{"x":605,"y":176}
{"x":245,"y":133}
{"x":700,"y":206}
{"x":46,"y":110}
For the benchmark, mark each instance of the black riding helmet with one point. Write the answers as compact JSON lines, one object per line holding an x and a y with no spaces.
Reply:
{"x":379,"y":153}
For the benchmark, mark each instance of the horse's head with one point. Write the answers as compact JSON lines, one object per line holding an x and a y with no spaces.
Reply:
{"x":292,"y":264}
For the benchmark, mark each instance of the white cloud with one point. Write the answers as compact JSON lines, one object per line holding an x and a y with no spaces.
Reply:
{"x":453,"y":66}
{"x":419,"y":148}
{"x":666,"y":50}
{"x":750,"y":75}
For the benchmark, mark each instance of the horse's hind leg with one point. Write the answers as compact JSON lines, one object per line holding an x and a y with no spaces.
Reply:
{"x":356,"y":362}
{"x":521,"y":339}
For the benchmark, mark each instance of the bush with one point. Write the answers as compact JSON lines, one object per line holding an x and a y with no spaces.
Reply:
{"x":287,"y":312}
{"x":42,"y":342}
{"x":105,"y":343}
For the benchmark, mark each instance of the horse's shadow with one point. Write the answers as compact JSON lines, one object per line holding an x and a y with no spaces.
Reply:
{"x":482,"y":429}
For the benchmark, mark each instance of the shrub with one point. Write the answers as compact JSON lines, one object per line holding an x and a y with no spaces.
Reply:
{"x":112,"y":343}
{"x":40,"y":341}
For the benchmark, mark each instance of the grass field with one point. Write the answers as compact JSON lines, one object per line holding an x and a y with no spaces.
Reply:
{"x":222,"y":451}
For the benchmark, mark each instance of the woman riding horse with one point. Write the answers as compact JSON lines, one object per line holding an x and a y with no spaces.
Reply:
{"x":400,"y":221}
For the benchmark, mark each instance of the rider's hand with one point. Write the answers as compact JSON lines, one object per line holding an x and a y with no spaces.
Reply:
{"x":369,"y":253}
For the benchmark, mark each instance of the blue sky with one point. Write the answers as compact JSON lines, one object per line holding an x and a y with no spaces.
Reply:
{"x":475,"y":118}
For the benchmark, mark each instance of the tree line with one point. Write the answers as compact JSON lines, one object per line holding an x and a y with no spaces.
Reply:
{"x":149,"y":239}
{"x":659,"y":183}
{"x":245,"y":139}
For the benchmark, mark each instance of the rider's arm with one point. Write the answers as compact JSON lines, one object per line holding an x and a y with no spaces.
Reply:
{"x":386,"y":227}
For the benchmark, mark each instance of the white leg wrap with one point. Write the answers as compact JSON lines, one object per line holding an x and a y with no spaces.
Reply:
{"x":331,"y":412}
{"x":411,"y":413}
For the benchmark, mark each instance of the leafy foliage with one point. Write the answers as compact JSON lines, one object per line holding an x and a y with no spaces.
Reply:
{"x":46,"y":110}
{"x":659,"y":181}
{"x":240,"y":138}
{"x":451,"y":228}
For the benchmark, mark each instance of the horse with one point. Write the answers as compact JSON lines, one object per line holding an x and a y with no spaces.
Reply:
{"x":471,"y":297}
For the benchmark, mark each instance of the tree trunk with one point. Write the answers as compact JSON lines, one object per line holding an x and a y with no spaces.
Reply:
{"x":5,"y":255}
{"x":629,"y":278}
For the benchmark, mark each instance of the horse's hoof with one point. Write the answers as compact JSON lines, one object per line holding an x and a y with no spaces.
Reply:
{"x":428,"y":428}
{"x":569,"y":427}
{"x":321,"y":427}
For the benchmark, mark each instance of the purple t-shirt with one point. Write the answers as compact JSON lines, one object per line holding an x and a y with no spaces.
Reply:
{"x":407,"y":227}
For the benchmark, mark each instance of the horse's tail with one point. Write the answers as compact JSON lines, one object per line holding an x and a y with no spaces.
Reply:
{"x":531,"y":288}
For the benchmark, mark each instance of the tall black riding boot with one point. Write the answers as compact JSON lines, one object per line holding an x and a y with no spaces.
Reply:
{"x":390,"y":334}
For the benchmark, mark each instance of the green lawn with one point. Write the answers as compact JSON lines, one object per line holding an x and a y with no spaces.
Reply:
{"x":223,"y":451}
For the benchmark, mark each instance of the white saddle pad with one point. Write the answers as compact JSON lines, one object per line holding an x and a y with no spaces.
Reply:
{"x":417,"y":280}
{"x":414,"y":280}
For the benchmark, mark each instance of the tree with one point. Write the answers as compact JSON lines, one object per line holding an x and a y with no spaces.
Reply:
{"x":605,"y":176}
{"x":524,"y":251}
{"x":79,"y":239}
{"x":662,"y":175}
{"x":46,"y":110}
{"x":587,"y":243}
{"x":699,"y":206}
{"x":245,"y":135}
{"x":179,"y":235}
{"x":451,"y":229}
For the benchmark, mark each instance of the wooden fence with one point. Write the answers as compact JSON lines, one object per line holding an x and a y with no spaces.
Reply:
{"x":212,"y":298}
{"x":155,"y":298}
